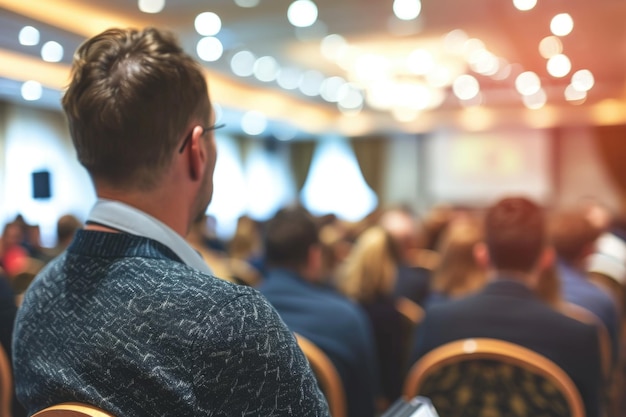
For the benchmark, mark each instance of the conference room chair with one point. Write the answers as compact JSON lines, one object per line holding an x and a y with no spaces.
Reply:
{"x":72,"y":409}
{"x":6,"y":384}
{"x":488,"y":377}
{"x":327,"y":377}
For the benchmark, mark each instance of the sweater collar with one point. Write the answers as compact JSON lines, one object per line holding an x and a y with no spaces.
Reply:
{"x":127,"y":219}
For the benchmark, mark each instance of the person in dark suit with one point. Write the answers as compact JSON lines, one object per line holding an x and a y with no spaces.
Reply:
{"x":412,"y":281}
{"x":516,"y":251}
{"x":294,"y":285}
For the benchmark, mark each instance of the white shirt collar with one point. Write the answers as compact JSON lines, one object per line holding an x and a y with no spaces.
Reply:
{"x":128,"y":219}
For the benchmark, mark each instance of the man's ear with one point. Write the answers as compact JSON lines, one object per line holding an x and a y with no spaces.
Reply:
{"x":314,"y":262}
{"x":547,"y":258}
{"x":197,"y":154}
{"x":481,"y":255}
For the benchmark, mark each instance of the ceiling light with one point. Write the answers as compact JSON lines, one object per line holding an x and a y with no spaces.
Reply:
{"x":550,"y":46}
{"x":471,"y":46}
{"x":333,"y":46}
{"x":454,"y":40}
{"x":404,"y":115}
{"x":573,"y":94}
{"x":285,"y":131}
{"x":504,"y":70}
{"x":151,"y":6}
{"x":28,"y":36}
{"x":289,"y":78}
{"x":208,"y":24}
{"x":242,"y":63}
{"x":209,"y":49}
{"x":561,"y":24}
{"x":524,"y":5}
{"x":527,"y":83}
{"x":407,"y":9}
{"x":31,"y":90}
{"x":311,"y":82}
{"x":247,"y":3}
{"x":465,"y":87}
{"x":370,"y":67}
{"x":330,"y":89}
{"x":254,"y":122}
{"x":583,"y":80}
{"x":475,"y":101}
{"x":302,"y":13}
{"x":559,"y":66}
{"x":484,"y":62}
{"x":420,"y":62}
{"x":266,"y":69}
{"x":535,"y":101}
{"x":52,"y":51}
{"x":439,"y":77}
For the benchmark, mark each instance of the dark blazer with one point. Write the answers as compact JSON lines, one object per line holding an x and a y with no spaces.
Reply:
{"x":336,"y":325}
{"x":412,"y":283}
{"x":509,"y":311}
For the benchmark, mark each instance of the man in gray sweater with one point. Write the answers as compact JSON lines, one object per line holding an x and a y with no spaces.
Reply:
{"x":129,"y":318}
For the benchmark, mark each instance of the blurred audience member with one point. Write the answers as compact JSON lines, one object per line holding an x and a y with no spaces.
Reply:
{"x":515,"y":251}
{"x":573,"y":237}
{"x":67,"y":226}
{"x":14,"y":257}
{"x":368,"y":277}
{"x":458,"y":273}
{"x":216,"y":260}
{"x":8,"y":311}
{"x":335,"y":246}
{"x":412,"y":281}
{"x":332,"y":322}
{"x":246,"y":244}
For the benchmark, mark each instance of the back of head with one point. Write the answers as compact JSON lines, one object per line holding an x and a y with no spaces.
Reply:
{"x":515,"y":234}
{"x":131,"y":96}
{"x":572,"y":235}
{"x":67,"y":226}
{"x":369,"y":271}
{"x":402,"y":227}
{"x":288,"y":237}
{"x":458,"y":273}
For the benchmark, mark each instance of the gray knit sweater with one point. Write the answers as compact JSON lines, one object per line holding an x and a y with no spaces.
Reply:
{"x":119,"y":322}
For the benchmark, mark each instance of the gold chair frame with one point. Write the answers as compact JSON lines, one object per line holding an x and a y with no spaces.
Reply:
{"x":72,"y":409}
{"x":326,"y":375}
{"x":506,"y":352}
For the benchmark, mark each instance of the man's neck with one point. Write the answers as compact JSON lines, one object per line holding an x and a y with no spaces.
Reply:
{"x":157,"y":204}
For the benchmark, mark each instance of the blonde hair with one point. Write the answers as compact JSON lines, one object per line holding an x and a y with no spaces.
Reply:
{"x":458,"y":273}
{"x":370,"y":269}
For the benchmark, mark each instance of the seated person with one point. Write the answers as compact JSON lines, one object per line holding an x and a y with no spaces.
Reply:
{"x":130,"y":318}
{"x":574,"y":237}
{"x":515,"y":251}
{"x":368,"y":277}
{"x":412,"y":281}
{"x":337,"y":326}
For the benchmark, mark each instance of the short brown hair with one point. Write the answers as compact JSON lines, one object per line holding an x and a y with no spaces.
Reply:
{"x":131,"y":96}
{"x":515,"y":234}
{"x":572,"y":233}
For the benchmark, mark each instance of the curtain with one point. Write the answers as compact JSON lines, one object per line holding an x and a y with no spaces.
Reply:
{"x":611,"y":144}
{"x":301,"y":156}
{"x":370,"y":153}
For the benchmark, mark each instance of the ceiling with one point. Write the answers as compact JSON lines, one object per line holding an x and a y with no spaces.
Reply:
{"x":370,"y":29}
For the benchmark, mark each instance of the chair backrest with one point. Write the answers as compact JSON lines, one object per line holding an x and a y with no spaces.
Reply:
{"x":412,"y":314}
{"x":73,"y":409}
{"x":585,"y":316}
{"x":6,"y":384}
{"x":327,"y":376}
{"x":488,"y":377}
